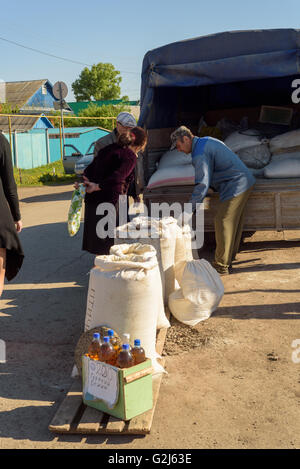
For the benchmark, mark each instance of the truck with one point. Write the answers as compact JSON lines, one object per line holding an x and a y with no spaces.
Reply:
{"x":229,"y":75}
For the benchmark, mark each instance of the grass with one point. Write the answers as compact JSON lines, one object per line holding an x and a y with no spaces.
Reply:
{"x":49,"y":174}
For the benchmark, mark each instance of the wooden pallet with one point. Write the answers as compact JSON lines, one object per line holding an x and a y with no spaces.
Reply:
{"x":73,"y":416}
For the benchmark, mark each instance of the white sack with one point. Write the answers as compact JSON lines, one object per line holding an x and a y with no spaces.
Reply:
{"x":187,"y":237}
{"x":240,"y":140}
{"x":282,"y":142}
{"x":285,"y":156}
{"x":183,"y":250}
{"x":174,"y":158}
{"x":202,"y":285}
{"x":178,"y":175}
{"x":125,"y":294}
{"x":185,"y":311}
{"x":159,"y":233}
{"x":288,"y":168}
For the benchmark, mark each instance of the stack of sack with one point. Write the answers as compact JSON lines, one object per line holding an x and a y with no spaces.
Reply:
{"x":174,"y":169}
{"x":125,"y":294}
{"x":191,"y":288}
{"x":278,"y":157}
{"x":172,"y":245}
{"x":285,"y":161}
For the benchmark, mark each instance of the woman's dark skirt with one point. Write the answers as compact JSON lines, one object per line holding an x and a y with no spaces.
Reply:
{"x":98,"y":231}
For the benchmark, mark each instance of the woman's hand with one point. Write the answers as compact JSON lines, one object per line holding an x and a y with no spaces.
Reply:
{"x":19,"y":226}
{"x":90,"y":186}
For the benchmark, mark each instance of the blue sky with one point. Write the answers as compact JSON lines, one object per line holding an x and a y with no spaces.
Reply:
{"x":119,"y":32}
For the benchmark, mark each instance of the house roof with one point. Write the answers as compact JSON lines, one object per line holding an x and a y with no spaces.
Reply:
{"x":19,"y":92}
{"x":18,"y":122}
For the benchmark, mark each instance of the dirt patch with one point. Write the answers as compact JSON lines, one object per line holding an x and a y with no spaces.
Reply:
{"x":182,"y":338}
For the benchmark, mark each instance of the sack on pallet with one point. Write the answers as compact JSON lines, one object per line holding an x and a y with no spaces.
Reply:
{"x":159,"y":233}
{"x":124,"y":251}
{"x":174,"y":158}
{"x":185,"y":311}
{"x":183,"y":174}
{"x":125,"y":294}
{"x":201,"y":286}
{"x":288,"y":140}
{"x":287,"y":168}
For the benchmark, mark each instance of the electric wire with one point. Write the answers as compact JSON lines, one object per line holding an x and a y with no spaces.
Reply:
{"x":55,"y":56}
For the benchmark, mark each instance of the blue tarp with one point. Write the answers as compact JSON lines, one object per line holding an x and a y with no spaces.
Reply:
{"x":222,"y":58}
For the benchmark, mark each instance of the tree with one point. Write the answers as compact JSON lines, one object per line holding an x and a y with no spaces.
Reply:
{"x":100,"y":82}
{"x":93,"y":110}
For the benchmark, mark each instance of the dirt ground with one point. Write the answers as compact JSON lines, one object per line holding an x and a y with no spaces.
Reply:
{"x":233,"y":380}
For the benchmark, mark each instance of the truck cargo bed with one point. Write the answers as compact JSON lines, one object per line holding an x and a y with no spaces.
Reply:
{"x":273,"y":205}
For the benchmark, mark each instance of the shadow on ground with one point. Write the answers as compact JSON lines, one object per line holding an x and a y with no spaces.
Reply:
{"x":48,"y":197}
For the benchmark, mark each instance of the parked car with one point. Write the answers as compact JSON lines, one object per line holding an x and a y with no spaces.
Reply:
{"x":85,"y":160}
{"x":71,"y":156}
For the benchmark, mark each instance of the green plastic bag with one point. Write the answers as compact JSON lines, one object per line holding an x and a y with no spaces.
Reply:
{"x":74,"y":215}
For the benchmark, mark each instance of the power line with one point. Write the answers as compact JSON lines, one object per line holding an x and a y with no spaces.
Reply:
{"x":55,"y":56}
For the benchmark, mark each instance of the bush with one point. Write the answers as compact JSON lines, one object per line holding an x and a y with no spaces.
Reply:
{"x":108,"y":110}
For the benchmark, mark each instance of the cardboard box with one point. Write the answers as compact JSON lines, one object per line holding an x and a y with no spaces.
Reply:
{"x":123,"y":393}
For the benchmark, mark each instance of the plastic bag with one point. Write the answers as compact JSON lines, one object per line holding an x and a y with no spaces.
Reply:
{"x":74,"y":215}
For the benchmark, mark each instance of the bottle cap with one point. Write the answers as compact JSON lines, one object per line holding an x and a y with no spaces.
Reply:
{"x":137,"y":342}
{"x":106,"y":339}
{"x":96,"y":335}
{"x":110,"y":332}
{"x":125,"y":346}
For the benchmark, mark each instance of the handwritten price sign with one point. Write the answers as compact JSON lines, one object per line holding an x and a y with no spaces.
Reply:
{"x":102,"y":381}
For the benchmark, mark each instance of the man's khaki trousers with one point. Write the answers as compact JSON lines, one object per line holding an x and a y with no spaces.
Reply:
{"x":229,"y":221}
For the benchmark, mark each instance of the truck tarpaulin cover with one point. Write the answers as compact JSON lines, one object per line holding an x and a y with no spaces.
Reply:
{"x":221,"y":58}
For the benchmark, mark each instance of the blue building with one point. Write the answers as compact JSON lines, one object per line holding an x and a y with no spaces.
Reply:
{"x":30,"y":97}
{"x":79,"y":137}
{"x":41,"y":146}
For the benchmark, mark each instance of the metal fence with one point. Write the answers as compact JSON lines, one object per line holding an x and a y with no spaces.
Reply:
{"x":40,"y":146}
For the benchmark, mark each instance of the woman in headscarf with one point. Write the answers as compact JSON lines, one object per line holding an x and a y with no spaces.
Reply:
{"x":106,"y":179}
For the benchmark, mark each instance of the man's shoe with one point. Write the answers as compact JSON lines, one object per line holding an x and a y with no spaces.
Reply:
{"x":221,"y":270}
